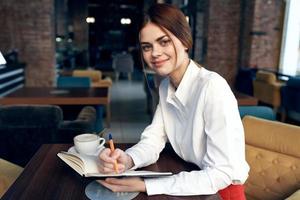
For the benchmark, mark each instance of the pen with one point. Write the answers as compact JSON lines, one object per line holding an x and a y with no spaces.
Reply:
{"x":112,"y":148}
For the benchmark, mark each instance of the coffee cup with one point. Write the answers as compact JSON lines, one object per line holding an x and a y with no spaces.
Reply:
{"x":88,"y":143}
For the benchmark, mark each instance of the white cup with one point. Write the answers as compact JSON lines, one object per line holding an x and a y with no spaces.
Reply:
{"x":88,"y":143}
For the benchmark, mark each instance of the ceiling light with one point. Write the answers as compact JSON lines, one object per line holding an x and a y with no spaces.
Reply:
{"x":58,"y":39}
{"x":125,"y":21}
{"x":90,"y":20}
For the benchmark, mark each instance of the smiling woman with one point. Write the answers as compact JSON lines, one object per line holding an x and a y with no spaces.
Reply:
{"x":197,"y":113}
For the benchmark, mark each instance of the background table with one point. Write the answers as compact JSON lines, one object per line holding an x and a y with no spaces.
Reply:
{"x":244,"y":99}
{"x":58,"y":96}
{"x":48,"y":177}
{"x":61,"y":96}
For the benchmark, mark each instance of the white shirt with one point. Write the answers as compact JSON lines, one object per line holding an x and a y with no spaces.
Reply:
{"x":201,"y":121}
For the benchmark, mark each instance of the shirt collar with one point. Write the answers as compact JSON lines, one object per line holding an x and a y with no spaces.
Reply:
{"x":183,"y":92}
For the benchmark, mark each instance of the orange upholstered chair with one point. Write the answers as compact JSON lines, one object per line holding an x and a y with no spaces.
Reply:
{"x":267,"y":88}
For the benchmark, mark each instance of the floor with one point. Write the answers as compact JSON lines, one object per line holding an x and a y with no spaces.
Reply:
{"x":129,"y":112}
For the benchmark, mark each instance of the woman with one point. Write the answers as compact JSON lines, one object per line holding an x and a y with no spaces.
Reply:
{"x":197,"y":113}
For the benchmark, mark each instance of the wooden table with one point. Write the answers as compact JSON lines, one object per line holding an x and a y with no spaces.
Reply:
{"x":47,"y":177}
{"x":57,"y":96}
{"x":245,"y":100}
{"x":60,"y":96}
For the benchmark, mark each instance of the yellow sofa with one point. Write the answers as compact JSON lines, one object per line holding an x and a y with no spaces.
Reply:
{"x":273,"y":153}
{"x":9,"y":172}
{"x":266,"y":88}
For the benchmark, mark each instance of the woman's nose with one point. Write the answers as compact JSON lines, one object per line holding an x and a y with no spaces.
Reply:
{"x":156,"y":51}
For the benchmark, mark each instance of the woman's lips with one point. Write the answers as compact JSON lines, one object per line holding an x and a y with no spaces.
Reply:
{"x":159,"y":63}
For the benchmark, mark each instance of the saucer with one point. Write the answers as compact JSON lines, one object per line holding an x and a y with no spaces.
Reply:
{"x":95,"y":191}
{"x":73,"y":150}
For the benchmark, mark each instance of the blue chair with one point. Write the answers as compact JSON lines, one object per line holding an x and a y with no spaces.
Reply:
{"x":244,"y":80}
{"x":290,"y":99}
{"x":85,"y":82}
{"x":69,"y":81}
{"x":257,"y":111}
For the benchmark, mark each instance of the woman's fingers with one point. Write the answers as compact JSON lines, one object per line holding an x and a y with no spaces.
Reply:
{"x":105,"y":156}
{"x":115,"y":187}
{"x":124,"y":185}
{"x":107,"y":160}
{"x":109,"y":168}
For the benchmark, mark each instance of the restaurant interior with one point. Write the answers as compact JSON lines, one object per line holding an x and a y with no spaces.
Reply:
{"x":73,"y":66}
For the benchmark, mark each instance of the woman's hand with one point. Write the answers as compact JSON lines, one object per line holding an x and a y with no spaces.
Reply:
{"x":107,"y":160}
{"x":134,"y":184}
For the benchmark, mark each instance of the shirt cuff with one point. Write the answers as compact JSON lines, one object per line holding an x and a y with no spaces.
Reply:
{"x":153,"y":186}
{"x":137,"y":162}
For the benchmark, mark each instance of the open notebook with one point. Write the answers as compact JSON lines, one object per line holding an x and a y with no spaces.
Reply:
{"x":86,"y":165}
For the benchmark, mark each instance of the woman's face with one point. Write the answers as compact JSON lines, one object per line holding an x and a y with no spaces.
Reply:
{"x":159,"y":52}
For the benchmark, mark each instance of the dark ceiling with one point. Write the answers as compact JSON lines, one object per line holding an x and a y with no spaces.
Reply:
{"x":107,"y":31}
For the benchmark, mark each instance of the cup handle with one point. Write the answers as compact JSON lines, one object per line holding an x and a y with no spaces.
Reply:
{"x":101,"y":144}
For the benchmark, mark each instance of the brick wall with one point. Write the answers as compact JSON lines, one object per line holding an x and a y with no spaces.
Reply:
{"x":61,"y":15}
{"x":28,"y":25}
{"x":266,"y":34}
{"x":247,"y":15}
{"x":242,"y":33}
{"x":223,"y":38}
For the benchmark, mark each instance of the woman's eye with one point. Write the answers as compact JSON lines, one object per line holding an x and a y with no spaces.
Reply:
{"x":146,"y":48}
{"x":164,"y":42}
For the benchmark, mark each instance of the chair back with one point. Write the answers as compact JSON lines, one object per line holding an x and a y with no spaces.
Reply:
{"x":290,"y":95}
{"x":24,"y":128}
{"x":69,"y":81}
{"x":123,"y":63}
{"x":94,"y":75}
{"x":267,"y":89}
{"x":267,"y":77}
{"x":244,"y":80}
{"x":257,"y":111}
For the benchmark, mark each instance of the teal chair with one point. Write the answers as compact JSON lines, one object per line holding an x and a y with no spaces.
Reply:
{"x":84,"y":82}
{"x":257,"y":111}
{"x":69,"y":81}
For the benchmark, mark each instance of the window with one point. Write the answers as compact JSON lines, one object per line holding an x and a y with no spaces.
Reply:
{"x":290,"y":46}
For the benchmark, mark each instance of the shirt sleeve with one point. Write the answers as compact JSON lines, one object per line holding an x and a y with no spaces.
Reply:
{"x":153,"y":140}
{"x":224,"y":147}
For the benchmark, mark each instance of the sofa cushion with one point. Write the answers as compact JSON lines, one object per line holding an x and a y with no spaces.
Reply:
{"x":272,"y":175}
{"x":272,"y":135}
{"x":9,"y":172}
{"x":272,"y":151}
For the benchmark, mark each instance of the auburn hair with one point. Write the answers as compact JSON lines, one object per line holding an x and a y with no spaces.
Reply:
{"x":169,"y":17}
